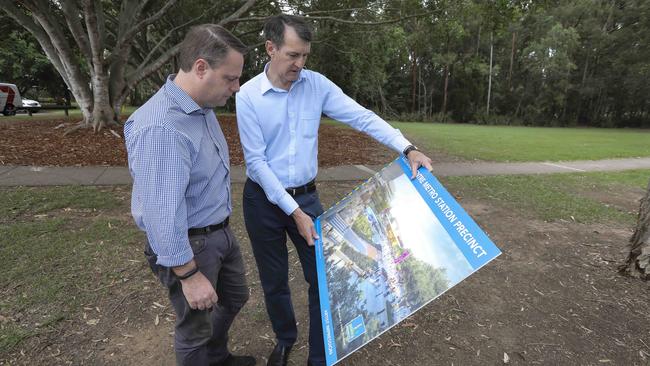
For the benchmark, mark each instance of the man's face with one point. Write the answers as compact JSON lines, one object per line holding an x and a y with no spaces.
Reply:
{"x":220,"y":83}
{"x":288,"y":60}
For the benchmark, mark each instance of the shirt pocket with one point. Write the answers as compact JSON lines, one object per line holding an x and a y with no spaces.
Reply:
{"x":309,"y":124}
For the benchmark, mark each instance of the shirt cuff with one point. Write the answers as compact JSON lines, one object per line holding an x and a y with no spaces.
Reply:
{"x":177,"y":259}
{"x":287,"y":204}
{"x":401,"y":143}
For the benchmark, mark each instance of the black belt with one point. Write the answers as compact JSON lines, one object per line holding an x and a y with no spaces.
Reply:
{"x":307,"y":188}
{"x":208,"y":229}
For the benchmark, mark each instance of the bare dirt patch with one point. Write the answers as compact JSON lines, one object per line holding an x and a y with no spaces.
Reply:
{"x":553,"y":298}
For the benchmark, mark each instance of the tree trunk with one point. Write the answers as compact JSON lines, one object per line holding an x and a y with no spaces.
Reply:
{"x":443,"y":110}
{"x":637,"y":263}
{"x":487,"y":110}
{"x":478,"y":40}
{"x":413,"y":81}
{"x":512,"y":59}
{"x":382,"y":100}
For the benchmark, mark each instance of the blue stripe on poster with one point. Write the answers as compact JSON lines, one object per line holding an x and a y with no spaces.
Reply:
{"x":326,"y":316}
{"x":477,"y":248}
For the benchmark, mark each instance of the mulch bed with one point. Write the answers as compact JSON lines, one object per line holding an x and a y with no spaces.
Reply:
{"x":43,"y":143}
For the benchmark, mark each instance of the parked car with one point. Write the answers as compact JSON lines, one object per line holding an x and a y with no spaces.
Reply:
{"x":31,"y":105}
{"x":10,"y":99}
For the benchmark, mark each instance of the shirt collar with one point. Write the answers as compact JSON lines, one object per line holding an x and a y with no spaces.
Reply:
{"x":187,"y":104}
{"x":265,"y":84}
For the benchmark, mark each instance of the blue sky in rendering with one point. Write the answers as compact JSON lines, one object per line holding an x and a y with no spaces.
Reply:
{"x":422,"y":233}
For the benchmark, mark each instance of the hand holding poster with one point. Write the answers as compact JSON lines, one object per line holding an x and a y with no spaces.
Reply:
{"x":386,"y":250}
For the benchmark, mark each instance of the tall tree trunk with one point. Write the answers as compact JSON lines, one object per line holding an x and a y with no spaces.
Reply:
{"x":443,"y":109}
{"x":433,"y":89}
{"x":487,"y":110}
{"x":637,"y":263}
{"x":478,"y":40}
{"x":413,"y":81}
{"x":382,"y":100}
{"x":512,"y":59}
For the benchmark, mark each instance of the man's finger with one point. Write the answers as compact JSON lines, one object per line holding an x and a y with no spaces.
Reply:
{"x":414,"y":169}
{"x":427,"y":164}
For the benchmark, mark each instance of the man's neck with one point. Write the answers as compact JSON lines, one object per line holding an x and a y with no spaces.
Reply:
{"x":276,"y":80}
{"x":183,"y":81}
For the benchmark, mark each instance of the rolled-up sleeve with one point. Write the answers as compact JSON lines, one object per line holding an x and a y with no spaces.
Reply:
{"x":160,"y":162}
{"x":342,"y":108}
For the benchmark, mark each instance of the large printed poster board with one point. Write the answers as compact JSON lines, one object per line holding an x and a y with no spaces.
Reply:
{"x":386,"y":250}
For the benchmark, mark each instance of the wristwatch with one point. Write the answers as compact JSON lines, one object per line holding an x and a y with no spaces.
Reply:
{"x":409,"y":149}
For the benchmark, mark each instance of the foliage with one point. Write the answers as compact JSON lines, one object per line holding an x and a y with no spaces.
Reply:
{"x":361,"y":226}
{"x":24,"y":64}
{"x":547,"y":63}
{"x":422,"y":282}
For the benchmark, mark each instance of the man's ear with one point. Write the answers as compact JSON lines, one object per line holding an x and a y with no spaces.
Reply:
{"x":270,"y":48}
{"x":200,"y":68}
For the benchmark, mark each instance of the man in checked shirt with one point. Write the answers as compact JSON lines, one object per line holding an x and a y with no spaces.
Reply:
{"x":178,"y":158}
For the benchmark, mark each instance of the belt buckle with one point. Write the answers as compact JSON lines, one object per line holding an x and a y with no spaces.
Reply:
{"x":293,"y":192}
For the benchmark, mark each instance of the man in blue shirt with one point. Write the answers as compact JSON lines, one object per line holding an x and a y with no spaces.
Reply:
{"x":278,"y":114}
{"x":178,"y":158}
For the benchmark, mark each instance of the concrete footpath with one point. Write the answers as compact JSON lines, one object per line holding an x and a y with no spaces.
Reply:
{"x":54,"y":176}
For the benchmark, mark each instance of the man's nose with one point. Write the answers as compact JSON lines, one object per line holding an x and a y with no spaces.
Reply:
{"x":235,"y":87}
{"x":300,"y":63}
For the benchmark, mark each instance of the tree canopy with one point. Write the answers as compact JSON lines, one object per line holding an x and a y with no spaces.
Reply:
{"x":585,"y":62}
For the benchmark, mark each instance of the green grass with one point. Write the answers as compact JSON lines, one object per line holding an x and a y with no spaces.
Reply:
{"x":35,"y":201}
{"x":507,"y":143}
{"x":571,"y":197}
{"x":58,"y":244}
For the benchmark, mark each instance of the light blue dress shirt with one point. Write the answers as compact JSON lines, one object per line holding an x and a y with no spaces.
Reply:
{"x":178,"y":158}
{"x":279,"y":130}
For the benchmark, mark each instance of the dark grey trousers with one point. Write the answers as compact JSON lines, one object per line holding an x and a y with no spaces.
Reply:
{"x":201,"y":336}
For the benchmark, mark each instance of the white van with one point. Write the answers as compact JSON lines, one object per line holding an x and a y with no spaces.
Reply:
{"x":10,"y":99}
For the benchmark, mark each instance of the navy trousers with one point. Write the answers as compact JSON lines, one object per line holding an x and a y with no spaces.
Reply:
{"x":267,"y":227}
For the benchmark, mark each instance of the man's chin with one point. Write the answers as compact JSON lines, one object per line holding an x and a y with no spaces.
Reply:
{"x":217,"y":104}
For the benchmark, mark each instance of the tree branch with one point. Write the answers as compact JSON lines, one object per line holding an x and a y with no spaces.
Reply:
{"x":145,"y":70}
{"x":71,"y":9}
{"x":94,"y":36}
{"x":37,"y":31}
{"x":135,"y":29}
{"x":157,"y":46}
{"x":244,"y":8}
{"x":339,"y":20}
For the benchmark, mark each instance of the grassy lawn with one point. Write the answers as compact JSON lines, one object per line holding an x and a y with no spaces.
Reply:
{"x":585,"y":198}
{"x":506,"y":143}
{"x":58,"y":244}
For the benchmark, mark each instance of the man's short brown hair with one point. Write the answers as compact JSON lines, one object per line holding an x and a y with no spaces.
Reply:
{"x":210,"y":42}
{"x":275,"y":26}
